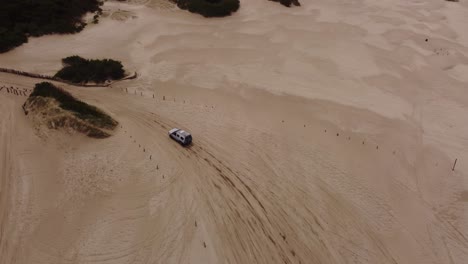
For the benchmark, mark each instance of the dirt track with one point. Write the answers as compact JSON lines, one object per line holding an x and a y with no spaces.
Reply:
{"x":322,"y":134}
{"x":260,"y":195}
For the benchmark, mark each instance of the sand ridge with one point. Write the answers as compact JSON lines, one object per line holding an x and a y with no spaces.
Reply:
{"x":322,"y":134}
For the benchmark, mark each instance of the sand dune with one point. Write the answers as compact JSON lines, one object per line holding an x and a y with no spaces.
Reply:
{"x":322,"y":134}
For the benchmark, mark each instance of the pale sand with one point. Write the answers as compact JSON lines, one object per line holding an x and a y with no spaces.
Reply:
{"x":263,"y":182}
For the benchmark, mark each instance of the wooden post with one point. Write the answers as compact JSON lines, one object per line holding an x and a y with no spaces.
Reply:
{"x":153,"y":95}
{"x":455,"y":163}
{"x":164,"y":98}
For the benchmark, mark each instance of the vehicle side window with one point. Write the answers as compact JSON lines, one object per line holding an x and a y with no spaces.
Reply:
{"x":182,"y":138}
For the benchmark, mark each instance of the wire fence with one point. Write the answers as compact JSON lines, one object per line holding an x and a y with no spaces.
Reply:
{"x":53,"y":78}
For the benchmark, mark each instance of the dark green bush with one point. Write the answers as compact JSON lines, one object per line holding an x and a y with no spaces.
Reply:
{"x":79,"y":70}
{"x":288,"y":3}
{"x":22,"y":18}
{"x":11,"y":39}
{"x":209,"y":8}
{"x":80,"y":109}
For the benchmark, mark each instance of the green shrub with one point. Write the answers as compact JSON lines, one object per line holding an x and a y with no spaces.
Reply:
{"x":22,"y":18}
{"x":79,"y":70}
{"x":11,"y":39}
{"x":209,"y":8}
{"x":80,"y":109}
{"x":288,"y":3}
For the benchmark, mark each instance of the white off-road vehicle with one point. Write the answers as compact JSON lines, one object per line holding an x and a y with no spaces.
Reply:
{"x":181,"y":136}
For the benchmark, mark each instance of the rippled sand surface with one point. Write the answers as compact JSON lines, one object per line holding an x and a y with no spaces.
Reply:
{"x":324,"y":133}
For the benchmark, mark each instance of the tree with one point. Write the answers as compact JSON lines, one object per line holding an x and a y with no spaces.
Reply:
{"x":22,"y":18}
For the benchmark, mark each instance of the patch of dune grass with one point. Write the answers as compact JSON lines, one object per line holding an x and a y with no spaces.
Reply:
{"x":80,"y":109}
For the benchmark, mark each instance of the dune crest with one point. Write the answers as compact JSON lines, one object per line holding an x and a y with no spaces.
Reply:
{"x":333,"y":132}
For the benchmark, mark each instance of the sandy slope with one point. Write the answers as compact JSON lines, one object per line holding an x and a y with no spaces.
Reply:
{"x":323,"y":134}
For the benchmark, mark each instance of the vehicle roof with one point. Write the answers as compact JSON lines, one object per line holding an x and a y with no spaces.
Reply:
{"x":183,"y":133}
{"x":180,"y":132}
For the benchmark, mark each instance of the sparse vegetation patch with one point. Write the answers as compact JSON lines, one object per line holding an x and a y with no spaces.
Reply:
{"x":72,"y":113}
